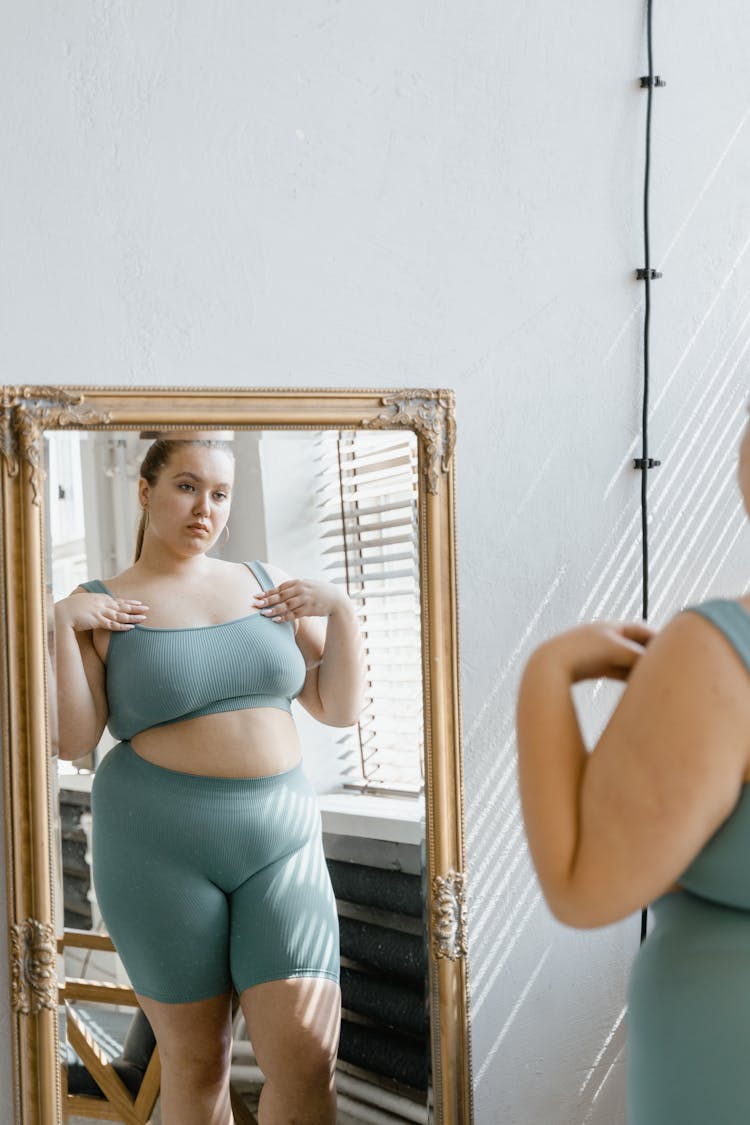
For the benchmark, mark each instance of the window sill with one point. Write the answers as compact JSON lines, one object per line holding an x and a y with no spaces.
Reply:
{"x":396,"y":819}
{"x":71,"y":778}
{"x":399,"y":820}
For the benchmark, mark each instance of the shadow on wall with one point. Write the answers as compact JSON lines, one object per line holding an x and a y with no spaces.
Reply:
{"x":527,"y":972}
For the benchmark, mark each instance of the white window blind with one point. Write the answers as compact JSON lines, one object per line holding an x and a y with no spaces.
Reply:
{"x":368,"y":510}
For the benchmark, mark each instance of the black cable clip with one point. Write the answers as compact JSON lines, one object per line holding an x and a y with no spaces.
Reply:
{"x":645,"y":463}
{"x":643,"y":274}
{"x":647,"y":80}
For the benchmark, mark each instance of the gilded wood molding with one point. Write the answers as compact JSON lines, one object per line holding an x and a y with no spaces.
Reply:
{"x":449,"y":914}
{"x":33,"y":969}
{"x":431,"y":414}
{"x":25,"y":412}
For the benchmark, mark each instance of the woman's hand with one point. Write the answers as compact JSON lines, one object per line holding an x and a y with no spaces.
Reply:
{"x":301,"y":597}
{"x":602,"y":650}
{"x":82,"y":612}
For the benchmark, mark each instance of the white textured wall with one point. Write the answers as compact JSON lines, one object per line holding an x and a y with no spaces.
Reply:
{"x":429,"y":192}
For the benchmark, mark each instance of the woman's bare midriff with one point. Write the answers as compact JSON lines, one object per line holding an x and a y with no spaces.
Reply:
{"x":254,"y":742}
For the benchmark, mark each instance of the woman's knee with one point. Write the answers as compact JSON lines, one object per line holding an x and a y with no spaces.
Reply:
{"x":205,"y":1060}
{"x":309,"y":1059}
{"x":311,"y":1071}
{"x":294,"y":1027}
{"x":195,"y":1039}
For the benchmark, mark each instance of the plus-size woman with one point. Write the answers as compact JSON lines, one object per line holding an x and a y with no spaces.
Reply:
{"x":658,"y":813}
{"x":207,"y":853}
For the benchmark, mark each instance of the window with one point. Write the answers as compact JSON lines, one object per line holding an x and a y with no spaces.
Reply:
{"x":65,"y":513}
{"x":368,"y":511}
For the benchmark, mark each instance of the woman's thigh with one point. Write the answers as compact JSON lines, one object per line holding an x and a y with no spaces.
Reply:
{"x":172,"y":936}
{"x":187,"y":1027}
{"x":293,"y":1026}
{"x":152,"y":852}
{"x":283,"y":921}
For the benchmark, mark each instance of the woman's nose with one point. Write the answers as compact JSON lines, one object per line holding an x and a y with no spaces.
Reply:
{"x":201,"y":506}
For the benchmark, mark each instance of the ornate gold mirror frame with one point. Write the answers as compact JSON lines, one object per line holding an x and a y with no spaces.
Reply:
{"x":29,"y":411}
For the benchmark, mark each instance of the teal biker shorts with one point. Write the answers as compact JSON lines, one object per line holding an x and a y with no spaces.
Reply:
{"x":205,"y":883}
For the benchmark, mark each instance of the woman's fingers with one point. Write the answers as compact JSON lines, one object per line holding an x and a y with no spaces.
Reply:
{"x":638,"y":631}
{"x":282,"y":602}
{"x":299,"y":597}
{"x":631,"y":640}
{"x":124,"y":613}
{"x":84,"y":611}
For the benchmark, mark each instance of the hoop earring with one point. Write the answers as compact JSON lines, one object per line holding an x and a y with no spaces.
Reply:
{"x":145,"y":518}
{"x":225,"y":528}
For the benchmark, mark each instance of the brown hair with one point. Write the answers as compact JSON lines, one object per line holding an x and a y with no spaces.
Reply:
{"x":157,"y":457}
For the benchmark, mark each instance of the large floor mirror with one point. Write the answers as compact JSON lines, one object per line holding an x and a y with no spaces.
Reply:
{"x":350,"y":487}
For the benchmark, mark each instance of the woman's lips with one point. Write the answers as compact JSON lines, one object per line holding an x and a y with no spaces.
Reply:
{"x":200,"y":527}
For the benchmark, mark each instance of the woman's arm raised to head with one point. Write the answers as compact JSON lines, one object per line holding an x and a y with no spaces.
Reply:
{"x":611,"y":830}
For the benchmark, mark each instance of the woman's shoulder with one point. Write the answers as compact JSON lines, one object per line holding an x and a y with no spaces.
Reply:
{"x":225,"y":568}
{"x":117,"y":581}
{"x":701,"y":644}
{"x":721,"y":622}
{"x":719,"y":605}
{"x":92,"y":586}
{"x":275,"y":573}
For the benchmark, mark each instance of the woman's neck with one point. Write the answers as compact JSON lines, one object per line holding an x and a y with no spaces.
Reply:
{"x":160,"y":562}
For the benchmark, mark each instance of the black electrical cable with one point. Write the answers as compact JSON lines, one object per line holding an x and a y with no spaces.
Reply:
{"x":647,"y":275}
{"x":647,"y":314}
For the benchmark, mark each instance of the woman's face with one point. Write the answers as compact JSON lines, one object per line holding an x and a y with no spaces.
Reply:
{"x":188,"y":506}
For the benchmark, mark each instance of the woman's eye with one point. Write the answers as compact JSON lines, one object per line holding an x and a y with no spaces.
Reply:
{"x":186,"y":485}
{"x":220,"y":495}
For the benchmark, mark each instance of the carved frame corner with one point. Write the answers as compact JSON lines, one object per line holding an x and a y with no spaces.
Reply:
{"x":25,"y":412}
{"x":431,"y":414}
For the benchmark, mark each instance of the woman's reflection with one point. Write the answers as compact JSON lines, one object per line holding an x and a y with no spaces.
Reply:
{"x":207,"y":857}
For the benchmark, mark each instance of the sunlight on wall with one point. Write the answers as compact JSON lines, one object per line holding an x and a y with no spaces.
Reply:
{"x":696,"y":518}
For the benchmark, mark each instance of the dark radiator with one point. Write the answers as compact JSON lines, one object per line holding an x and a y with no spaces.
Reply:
{"x":385,"y":1024}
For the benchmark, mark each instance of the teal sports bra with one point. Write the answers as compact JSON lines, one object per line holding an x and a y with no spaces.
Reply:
{"x":719,"y":873}
{"x":159,"y":676}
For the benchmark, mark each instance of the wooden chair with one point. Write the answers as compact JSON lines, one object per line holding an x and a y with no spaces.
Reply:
{"x":242,"y":1115}
{"x":117,"y":1103}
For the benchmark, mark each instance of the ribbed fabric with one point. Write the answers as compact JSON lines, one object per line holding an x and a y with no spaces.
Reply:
{"x":209,"y":882}
{"x":689,"y":990}
{"x":160,"y":676}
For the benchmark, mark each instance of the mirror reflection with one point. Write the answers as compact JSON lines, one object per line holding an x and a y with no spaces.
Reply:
{"x":320,"y":561}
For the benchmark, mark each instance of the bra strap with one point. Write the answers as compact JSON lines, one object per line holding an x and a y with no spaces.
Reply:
{"x":95,"y":586}
{"x":259,"y":571}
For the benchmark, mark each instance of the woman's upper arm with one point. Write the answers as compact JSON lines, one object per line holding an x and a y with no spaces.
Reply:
{"x":94,"y":668}
{"x":665,"y":774}
{"x":310,"y":638}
